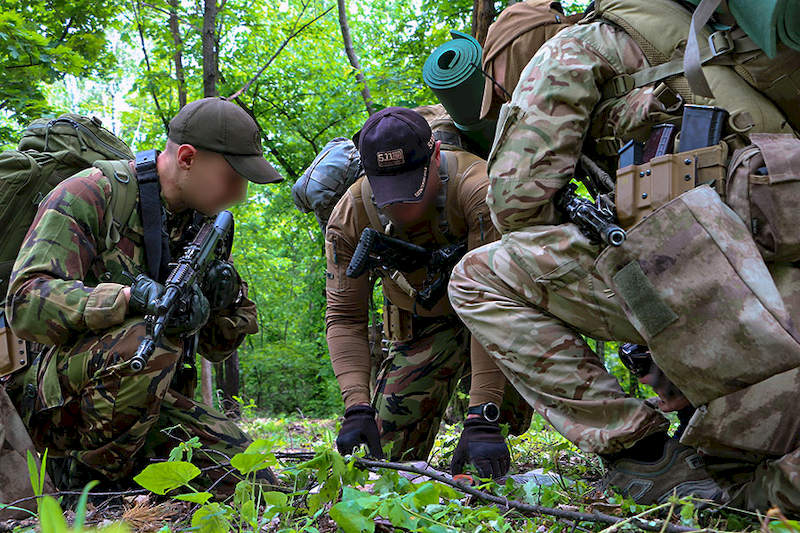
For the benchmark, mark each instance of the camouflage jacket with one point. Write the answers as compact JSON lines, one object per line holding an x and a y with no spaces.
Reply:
{"x":556,"y":105}
{"x":68,"y":276}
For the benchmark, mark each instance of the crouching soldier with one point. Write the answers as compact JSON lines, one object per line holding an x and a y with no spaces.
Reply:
{"x":92,"y":265}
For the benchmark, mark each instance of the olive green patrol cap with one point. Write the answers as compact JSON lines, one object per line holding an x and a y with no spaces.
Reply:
{"x":217,"y":125}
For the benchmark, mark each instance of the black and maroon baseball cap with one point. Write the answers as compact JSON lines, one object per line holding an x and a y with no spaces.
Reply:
{"x":396,"y":145}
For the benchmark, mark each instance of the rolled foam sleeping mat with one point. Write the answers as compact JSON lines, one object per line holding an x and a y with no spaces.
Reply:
{"x":453,"y":72}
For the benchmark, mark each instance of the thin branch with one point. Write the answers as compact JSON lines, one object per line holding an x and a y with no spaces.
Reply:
{"x":164,"y":120}
{"x":353,"y":58}
{"x":524,"y":507}
{"x":291,"y":36}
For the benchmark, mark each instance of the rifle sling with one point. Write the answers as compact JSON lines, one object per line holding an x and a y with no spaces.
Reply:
{"x":150,"y":210}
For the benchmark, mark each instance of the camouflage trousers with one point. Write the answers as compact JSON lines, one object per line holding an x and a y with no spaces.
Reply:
{"x":416,"y":382}
{"x":83,"y":403}
{"x":529,"y":299}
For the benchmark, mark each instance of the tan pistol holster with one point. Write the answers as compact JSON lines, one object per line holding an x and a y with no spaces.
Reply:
{"x":397,"y":323}
{"x":641,"y":189}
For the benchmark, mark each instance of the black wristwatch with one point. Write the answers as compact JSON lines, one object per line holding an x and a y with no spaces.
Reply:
{"x":489,"y":411}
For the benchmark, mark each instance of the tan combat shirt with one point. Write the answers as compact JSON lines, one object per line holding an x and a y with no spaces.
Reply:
{"x":348,"y":299}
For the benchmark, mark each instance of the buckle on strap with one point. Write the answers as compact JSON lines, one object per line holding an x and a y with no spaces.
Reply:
{"x":720,"y":43}
{"x":618,"y":86}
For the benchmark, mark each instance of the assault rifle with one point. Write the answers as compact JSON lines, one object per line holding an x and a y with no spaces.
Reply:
{"x":207,"y":245}
{"x":376,"y":250}
{"x":596,"y":222}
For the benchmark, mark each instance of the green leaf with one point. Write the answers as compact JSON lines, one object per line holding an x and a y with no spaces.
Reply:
{"x":51,"y":517}
{"x":80,"y":510}
{"x":246,"y":463}
{"x":212,"y":518}
{"x":275,"y":498}
{"x":426,"y":494}
{"x":163,"y":477}
{"x":348,"y":516}
{"x":194,"y":497}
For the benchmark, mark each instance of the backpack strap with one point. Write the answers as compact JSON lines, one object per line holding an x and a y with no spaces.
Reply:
{"x":370,"y":207}
{"x":123,"y":197}
{"x":155,"y":245}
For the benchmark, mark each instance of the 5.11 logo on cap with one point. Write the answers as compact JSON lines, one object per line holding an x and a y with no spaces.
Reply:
{"x":393,"y":158}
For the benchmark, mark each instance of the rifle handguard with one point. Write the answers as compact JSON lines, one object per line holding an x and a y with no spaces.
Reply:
{"x":360,"y":261}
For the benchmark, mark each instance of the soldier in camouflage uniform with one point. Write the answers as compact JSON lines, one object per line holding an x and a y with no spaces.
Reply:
{"x":431,"y":198}
{"x":531,"y":297}
{"x":71,"y":290}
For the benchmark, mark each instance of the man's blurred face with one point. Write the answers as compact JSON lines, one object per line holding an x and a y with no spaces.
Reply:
{"x":207,"y":182}
{"x":405,"y":214}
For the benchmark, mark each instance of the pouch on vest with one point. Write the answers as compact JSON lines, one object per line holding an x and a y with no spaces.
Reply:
{"x":641,"y":189}
{"x":13,"y":350}
{"x":695,"y":286}
{"x":763,"y":188}
{"x":762,"y":418}
{"x":397,"y":323}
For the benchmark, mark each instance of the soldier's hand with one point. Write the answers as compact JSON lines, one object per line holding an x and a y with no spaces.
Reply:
{"x":359,"y":427}
{"x":483,"y":445}
{"x":144,"y":294}
{"x":222,"y":285}
{"x":194,"y":318}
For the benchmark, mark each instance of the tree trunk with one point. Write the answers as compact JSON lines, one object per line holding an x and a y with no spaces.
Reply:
{"x":351,"y":55}
{"x":482,"y":16}
{"x":174,"y":28}
{"x":207,"y":383}
{"x":228,"y":383}
{"x":210,"y":52}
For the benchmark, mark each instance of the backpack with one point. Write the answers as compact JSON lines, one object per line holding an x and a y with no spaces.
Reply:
{"x":327,"y":178}
{"x":745,"y":81}
{"x":49,"y":152}
{"x":338,"y":166}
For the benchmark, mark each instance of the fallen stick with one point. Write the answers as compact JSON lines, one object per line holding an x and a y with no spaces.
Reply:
{"x":656,"y":525}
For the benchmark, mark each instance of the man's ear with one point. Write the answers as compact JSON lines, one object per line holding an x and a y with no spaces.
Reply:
{"x":437,"y":149}
{"x":186,"y":156}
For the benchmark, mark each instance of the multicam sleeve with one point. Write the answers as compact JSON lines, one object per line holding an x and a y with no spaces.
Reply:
{"x":542,"y":129}
{"x":47,"y":298}
{"x":227,"y":329}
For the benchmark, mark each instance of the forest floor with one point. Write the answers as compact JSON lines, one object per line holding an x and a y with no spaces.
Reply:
{"x":326,"y":493}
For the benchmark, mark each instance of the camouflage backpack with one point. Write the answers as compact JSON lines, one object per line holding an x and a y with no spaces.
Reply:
{"x":49,"y":152}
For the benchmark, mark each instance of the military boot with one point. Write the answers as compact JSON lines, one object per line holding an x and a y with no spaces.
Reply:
{"x":679,"y":470}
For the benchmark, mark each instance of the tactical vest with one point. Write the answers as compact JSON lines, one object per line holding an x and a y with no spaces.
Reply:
{"x":661,"y":27}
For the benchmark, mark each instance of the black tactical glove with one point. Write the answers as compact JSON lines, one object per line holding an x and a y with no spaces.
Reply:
{"x":144,"y":294}
{"x":483,"y":445}
{"x":189,"y":320}
{"x":359,"y":427}
{"x":221,"y":285}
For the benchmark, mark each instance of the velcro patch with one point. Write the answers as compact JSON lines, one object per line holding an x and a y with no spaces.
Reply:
{"x":391,"y":159}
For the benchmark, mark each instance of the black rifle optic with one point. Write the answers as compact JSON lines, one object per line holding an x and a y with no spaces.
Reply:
{"x":206,"y":246}
{"x":596,"y":223}
{"x":376,"y":250}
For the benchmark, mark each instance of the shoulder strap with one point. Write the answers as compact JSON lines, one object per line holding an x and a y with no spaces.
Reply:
{"x":123,"y":197}
{"x":370,"y":207}
{"x":155,"y":245}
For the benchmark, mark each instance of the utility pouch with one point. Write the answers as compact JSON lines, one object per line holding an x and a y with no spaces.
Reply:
{"x":397,"y":323}
{"x":763,"y":187}
{"x":643,"y":188}
{"x":13,"y":350}
{"x":691,"y":279}
{"x":762,"y":418}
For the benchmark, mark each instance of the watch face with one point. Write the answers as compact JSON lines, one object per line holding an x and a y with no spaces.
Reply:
{"x":491,"y":412}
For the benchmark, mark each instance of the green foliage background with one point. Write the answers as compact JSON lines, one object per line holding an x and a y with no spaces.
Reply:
{"x":86,"y":56}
